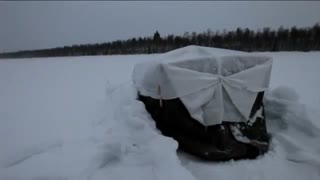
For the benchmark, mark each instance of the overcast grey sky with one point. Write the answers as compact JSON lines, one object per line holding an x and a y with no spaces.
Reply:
{"x":34,"y":25}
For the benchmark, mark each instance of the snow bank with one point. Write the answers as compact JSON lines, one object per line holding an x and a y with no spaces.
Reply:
{"x":290,"y":124}
{"x":123,"y":144}
{"x":134,"y":148}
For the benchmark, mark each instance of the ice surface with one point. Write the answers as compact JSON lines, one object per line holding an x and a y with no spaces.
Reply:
{"x":77,"y":118}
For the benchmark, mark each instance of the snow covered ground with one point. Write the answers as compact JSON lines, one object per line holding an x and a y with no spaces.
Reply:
{"x":77,"y":118}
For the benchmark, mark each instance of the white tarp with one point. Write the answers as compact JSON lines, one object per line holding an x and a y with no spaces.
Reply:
{"x":214,"y":86}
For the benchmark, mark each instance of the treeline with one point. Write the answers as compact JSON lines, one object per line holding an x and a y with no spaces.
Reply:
{"x":282,"y":39}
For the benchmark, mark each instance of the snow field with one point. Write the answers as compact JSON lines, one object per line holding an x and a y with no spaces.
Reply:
{"x":77,"y":118}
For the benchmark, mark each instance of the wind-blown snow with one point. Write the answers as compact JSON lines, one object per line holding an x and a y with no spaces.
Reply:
{"x":77,"y":118}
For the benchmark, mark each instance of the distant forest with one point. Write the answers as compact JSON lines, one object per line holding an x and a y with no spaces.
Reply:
{"x":282,"y":39}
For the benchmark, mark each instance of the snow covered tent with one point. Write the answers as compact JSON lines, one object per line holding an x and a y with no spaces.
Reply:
{"x":208,"y":99}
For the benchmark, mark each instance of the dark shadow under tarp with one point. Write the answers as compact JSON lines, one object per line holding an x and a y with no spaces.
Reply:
{"x":229,"y":140}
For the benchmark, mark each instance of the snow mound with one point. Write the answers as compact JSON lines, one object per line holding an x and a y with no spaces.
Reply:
{"x":135,"y":149}
{"x":289,"y":123}
{"x":124,"y":144}
{"x":285,"y":93}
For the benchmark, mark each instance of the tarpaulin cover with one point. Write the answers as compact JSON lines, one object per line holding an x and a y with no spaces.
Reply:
{"x":215,"y":85}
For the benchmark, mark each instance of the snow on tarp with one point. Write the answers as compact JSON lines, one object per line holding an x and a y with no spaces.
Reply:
{"x":214,"y":85}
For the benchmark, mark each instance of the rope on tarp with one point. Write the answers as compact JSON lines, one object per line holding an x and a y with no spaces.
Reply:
{"x":159,"y":92}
